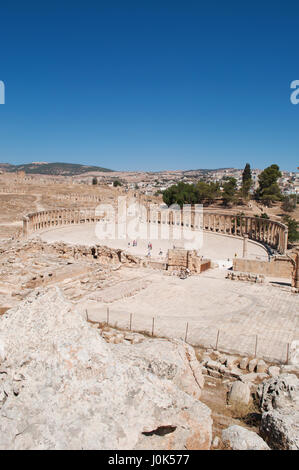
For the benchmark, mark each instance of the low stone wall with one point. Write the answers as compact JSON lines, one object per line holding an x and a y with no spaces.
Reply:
{"x":186,"y":259}
{"x":157,"y":265}
{"x":248,"y":277}
{"x":281,"y":266}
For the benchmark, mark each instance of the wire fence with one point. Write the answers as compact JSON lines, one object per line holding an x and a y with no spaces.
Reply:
{"x":196,"y":334}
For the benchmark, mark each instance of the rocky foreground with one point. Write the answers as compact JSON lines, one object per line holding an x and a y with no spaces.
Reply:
{"x":63,"y":387}
{"x":68,"y":384}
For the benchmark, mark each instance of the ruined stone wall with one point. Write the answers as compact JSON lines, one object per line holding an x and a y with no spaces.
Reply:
{"x":278,"y":267}
{"x":186,"y":259}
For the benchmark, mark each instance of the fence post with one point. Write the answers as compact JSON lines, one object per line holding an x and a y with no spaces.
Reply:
{"x":186,"y":332}
{"x":153,"y":326}
{"x":130,"y":322}
{"x":218,"y":333}
{"x":255,"y":349}
{"x":87,"y":319}
{"x":107,"y":315}
{"x":288,"y":347}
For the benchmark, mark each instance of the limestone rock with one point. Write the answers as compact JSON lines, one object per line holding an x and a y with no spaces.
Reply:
{"x":232,"y":361}
{"x":239,"y":393}
{"x":244,"y":363}
{"x":294,"y":354}
{"x":279,"y":393}
{"x":253,"y":377}
{"x":279,"y":401}
{"x":216,"y":442}
{"x":238,"y":438}
{"x":173,"y":360}
{"x":289,"y":369}
{"x":252,"y":365}
{"x":75,"y":391}
{"x":274,"y":371}
{"x":261,"y":366}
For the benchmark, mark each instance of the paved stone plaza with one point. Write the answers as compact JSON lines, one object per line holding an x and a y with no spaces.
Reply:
{"x":209,"y":302}
{"x":240,"y":314}
{"x":211,"y":245}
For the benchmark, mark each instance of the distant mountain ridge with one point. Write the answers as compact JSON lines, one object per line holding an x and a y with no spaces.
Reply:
{"x":57,"y":168}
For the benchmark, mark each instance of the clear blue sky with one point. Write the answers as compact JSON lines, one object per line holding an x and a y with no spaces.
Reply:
{"x":150,"y":84}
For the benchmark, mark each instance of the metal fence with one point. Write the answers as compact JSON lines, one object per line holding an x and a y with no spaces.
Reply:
{"x":195,"y":333}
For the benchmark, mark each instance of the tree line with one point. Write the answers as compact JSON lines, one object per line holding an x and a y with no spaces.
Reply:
{"x":267,"y":193}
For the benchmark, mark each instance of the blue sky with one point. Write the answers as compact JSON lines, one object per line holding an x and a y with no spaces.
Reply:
{"x":150,"y":85}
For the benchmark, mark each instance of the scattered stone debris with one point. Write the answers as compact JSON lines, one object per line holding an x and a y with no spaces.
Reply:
{"x":239,"y":276}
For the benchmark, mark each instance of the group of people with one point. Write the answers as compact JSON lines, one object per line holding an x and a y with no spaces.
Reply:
{"x":149,"y":248}
{"x":134,"y":243}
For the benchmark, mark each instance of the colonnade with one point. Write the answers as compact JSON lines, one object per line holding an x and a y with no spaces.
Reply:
{"x":55,"y":218}
{"x":266,"y":231}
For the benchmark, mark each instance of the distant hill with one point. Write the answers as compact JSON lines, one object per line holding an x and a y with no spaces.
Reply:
{"x":58,"y":168}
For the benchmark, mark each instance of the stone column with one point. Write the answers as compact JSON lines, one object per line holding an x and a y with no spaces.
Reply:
{"x":25,"y":227}
{"x":296,"y":283}
{"x":245,"y":245}
{"x":285,"y":242}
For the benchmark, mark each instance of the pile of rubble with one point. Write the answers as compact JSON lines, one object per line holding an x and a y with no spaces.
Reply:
{"x":239,"y":276}
{"x":115,"y":336}
{"x":245,"y":369}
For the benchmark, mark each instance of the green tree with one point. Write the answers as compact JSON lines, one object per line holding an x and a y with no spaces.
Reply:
{"x":229,"y":191}
{"x":268,"y":190}
{"x":289,"y":203}
{"x":207,"y":192}
{"x":264,"y":215}
{"x":293,"y":227}
{"x":116,"y":183}
{"x":94,"y":180}
{"x":246,"y":181}
{"x":183,"y":193}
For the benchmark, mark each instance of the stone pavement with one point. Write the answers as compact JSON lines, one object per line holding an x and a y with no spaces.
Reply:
{"x":211,"y":245}
{"x":210,"y":303}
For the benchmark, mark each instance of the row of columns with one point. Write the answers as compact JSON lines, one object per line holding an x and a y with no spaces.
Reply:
{"x":58,"y":217}
{"x":266,"y":231}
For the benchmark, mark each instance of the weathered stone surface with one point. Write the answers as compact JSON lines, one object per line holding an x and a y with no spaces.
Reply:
{"x":274,"y":371}
{"x":294,"y":354}
{"x":253,"y":377}
{"x":66,"y":388}
{"x":239,"y":393}
{"x":244,"y":363}
{"x":216,"y":442}
{"x":238,"y":438}
{"x":289,"y":369}
{"x":214,"y":365}
{"x":252,"y":365}
{"x":215,"y":374}
{"x":173,"y":360}
{"x":279,"y":393}
{"x":280,"y":429}
{"x":232,"y":361}
{"x":222,"y":359}
{"x":261,"y":366}
{"x":279,"y":402}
